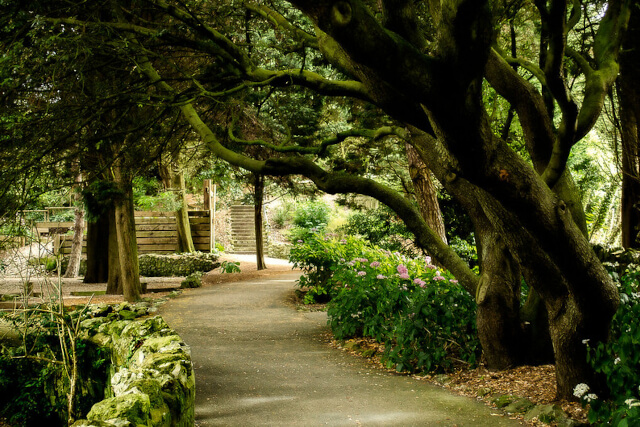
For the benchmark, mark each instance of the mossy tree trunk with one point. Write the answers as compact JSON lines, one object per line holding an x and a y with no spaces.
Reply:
{"x":124,"y":277}
{"x":173,"y":178}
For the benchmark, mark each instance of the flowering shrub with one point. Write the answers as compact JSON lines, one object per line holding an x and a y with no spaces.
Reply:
{"x":425,"y":319}
{"x":318,"y":256}
{"x":619,"y":361}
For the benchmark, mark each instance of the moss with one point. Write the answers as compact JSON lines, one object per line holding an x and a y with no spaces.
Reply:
{"x":134,"y":407}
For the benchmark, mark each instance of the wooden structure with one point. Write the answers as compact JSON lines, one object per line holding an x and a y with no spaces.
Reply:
{"x":156,"y":232}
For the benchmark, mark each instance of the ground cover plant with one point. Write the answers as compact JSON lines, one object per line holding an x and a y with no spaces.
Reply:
{"x":618,"y":360}
{"x":425,"y":320}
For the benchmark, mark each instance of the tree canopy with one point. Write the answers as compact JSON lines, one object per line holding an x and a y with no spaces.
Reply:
{"x":404,"y":72}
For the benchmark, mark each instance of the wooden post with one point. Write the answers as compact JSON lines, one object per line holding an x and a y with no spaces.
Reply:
{"x":207,"y":194}
{"x":213,"y":218}
{"x":210,"y":205}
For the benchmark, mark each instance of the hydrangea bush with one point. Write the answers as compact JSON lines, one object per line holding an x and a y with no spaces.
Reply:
{"x":424,"y":318}
{"x":618,"y":360}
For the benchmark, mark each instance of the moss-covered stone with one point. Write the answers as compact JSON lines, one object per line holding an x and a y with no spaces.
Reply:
{"x":502,"y":400}
{"x":519,"y":406}
{"x":133,"y":407}
{"x":153,"y":265}
{"x":547,"y":414}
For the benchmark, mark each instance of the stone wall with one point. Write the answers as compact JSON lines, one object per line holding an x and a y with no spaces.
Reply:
{"x":151,"y":381}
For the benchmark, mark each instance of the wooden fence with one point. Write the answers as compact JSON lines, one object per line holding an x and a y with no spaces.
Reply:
{"x":156,"y":232}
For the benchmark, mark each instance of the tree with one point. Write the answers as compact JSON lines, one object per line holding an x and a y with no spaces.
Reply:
{"x":528,"y":217}
{"x":628,"y":90}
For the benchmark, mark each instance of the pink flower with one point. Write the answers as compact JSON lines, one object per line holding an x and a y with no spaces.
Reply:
{"x":380,"y":276}
{"x":404,"y":276}
{"x":300,"y":241}
{"x":343,"y":241}
{"x":427,"y":259}
{"x":374,"y":264}
{"x":362,"y":273}
{"x":402,"y":270}
{"x":437,"y":278}
{"x":453,"y":281}
{"x":431,"y":266}
{"x":419,"y":282}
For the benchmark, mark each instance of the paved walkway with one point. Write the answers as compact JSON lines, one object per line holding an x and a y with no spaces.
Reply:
{"x":260,"y":362}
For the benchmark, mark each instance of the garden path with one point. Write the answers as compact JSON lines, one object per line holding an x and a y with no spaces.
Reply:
{"x":259,"y":361}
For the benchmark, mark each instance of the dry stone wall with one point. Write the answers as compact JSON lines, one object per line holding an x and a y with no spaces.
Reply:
{"x":151,"y":382}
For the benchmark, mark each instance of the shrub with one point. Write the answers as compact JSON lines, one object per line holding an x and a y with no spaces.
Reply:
{"x":619,"y":360}
{"x":312,"y":214}
{"x":425,"y":320}
{"x":380,"y":227}
{"x":230,"y":267}
{"x":318,"y":256}
{"x":194,"y":280}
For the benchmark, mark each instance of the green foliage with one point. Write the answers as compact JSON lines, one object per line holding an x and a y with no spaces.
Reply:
{"x":98,"y":198}
{"x":282,"y":215}
{"x":319,"y":256}
{"x":147,"y":196}
{"x":380,"y":227}
{"x":33,"y":380}
{"x":22,"y":387}
{"x":619,"y":360}
{"x":425,"y":320}
{"x":230,"y":267}
{"x":309,"y":218}
{"x":194,"y":280}
{"x":312,"y":214}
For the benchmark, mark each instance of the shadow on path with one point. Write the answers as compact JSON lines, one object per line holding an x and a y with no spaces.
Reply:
{"x":260,"y":362}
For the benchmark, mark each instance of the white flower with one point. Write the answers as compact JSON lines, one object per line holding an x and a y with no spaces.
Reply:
{"x":632,"y":402}
{"x":580,"y":390}
{"x":615,"y":362}
{"x":586,"y":341}
{"x":589,"y":397}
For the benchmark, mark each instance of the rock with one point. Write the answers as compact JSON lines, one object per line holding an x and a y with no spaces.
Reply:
{"x":502,"y":400}
{"x":94,"y":423}
{"x":351,"y":345}
{"x":370,"y":352}
{"x":92,"y":325}
{"x":482,"y":392}
{"x":441,"y":379}
{"x":127,"y":314}
{"x":549,"y":414}
{"x":133,"y":407}
{"x":519,"y":406}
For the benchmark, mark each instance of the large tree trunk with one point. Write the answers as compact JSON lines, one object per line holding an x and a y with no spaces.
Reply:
{"x":629,"y":95}
{"x":498,"y":298}
{"x":114,"y":284}
{"x":258,"y":198}
{"x":173,"y":178}
{"x":75,"y":256}
{"x":124,"y":221}
{"x":426,"y":194}
{"x":98,"y":249}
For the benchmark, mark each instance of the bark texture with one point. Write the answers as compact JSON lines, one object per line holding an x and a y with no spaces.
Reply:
{"x":426,"y":194}
{"x":629,"y":96}
{"x":258,"y":201}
